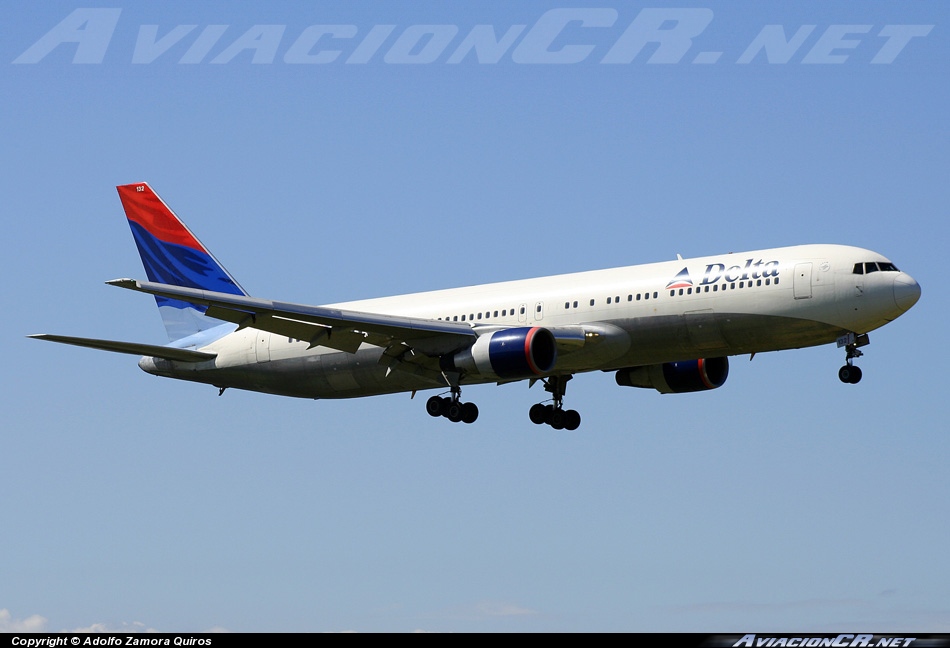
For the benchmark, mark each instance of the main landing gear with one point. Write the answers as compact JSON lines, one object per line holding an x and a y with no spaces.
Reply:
{"x":554,"y":414}
{"x":452,"y":408}
{"x":850,"y":374}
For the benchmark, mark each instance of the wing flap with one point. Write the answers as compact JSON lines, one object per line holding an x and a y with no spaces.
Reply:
{"x":314,"y":334}
{"x":132,"y":348}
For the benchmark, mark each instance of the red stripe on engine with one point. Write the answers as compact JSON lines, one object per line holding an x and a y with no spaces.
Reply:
{"x":527,"y":351}
{"x":701,"y":366}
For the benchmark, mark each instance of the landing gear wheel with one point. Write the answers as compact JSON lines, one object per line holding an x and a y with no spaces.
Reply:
{"x":469,"y":412}
{"x":850,"y":374}
{"x":454,"y":412}
{"x":557,"y":419}
{"x":844,"y":374}
{"x":538,"y":414}
{"x":572,"y":420}
{"x":434,"y":406}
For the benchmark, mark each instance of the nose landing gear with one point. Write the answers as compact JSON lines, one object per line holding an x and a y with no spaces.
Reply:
{"x":849,"y":374}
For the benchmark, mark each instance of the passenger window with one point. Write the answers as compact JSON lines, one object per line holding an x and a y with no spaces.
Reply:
{"x":575,"y":304}
{"x":592,"y":302}
{"x":608,"y":300}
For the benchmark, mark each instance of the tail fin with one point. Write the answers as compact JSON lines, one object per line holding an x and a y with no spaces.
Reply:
{"x":172,"y":255}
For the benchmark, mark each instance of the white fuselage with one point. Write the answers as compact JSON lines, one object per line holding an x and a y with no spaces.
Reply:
{"x":715,"y":306}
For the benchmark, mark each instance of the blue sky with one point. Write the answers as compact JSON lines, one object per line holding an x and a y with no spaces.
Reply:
{"x":782,"y":501}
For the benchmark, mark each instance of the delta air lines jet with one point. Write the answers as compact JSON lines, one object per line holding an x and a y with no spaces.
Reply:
{"x":667,"y":326}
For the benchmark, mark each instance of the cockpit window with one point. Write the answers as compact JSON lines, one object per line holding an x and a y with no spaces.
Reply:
{"x":872,"y":266}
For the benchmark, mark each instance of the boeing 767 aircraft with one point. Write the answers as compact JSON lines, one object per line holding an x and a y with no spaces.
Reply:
{"x":668,"y":326}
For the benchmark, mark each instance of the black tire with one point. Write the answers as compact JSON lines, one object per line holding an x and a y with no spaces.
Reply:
{"x":454,"y":412}
{"x":469,"y":412}
{"x":537,"y":413}
{"x":856,"y":374}
{"x":434,"y":406}
{"x":558,"y":419}
{"x":844,"y":374}
{"x":572,"y":420}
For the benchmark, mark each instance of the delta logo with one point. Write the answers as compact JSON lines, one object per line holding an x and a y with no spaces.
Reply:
{"x":681,"y":280}
{"x":752,"y":269}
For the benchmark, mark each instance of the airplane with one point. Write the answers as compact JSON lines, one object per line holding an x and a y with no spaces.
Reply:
{"x":669,"y":326}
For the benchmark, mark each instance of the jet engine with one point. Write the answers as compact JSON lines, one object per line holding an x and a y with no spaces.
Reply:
{"x":677,"y":377}
{"x":522,"y":352}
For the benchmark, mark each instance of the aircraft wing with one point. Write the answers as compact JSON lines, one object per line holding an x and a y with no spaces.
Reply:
{"x":319,"y":325}
{"x":133,"y":348}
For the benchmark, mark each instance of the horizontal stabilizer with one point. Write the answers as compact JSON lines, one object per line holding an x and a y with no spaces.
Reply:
{"x":133,"y":348}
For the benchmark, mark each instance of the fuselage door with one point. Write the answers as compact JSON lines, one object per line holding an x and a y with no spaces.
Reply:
{"x":801,"y":282}
{"x":523,"y":313}
{"x":262,"y":346}
{"x":538,"y":311}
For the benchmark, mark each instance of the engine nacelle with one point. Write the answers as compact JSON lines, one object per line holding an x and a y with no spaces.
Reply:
{"x":677,"y":377}
{"x":522,"y":352}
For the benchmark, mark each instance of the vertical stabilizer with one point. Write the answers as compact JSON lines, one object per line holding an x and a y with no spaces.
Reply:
{"x":172,"y":255}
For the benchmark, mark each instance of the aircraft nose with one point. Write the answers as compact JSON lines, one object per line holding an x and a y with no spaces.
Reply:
{"x":906,"y":291}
